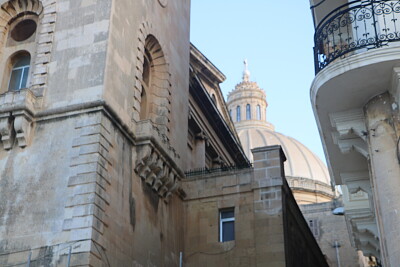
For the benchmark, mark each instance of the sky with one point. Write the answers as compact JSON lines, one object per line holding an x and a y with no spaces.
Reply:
{"x":276,"y":37}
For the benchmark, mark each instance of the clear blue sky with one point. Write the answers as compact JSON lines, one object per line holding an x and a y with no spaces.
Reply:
{"x":277,"y":39}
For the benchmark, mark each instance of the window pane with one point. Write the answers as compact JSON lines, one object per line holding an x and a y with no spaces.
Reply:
{"x":248,"y":112}
{"x":23,"y":61}
{"x":15,"y":80}
{"x":24,"y":78}
{"x":227,"y":214}
{"x":228,"y":231}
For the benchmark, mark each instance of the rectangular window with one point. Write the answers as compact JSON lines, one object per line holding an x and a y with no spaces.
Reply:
{"x":227,"y":225}
{"x":314,"y":227}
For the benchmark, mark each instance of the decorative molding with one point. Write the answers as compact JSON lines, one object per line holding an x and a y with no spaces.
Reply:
{"x":22,"y":126}
{"x":18,"y":107}
{"x":6,"y":134}
{"x":359,"y":194}
{"x":365,"y":234}
{"x":202,"y":136}
{"x":155,"y":171}
{"x":351,"y":144}
{"x":160,"y":82}
{"x":305,"y":184}
{"x":15,"y":125}
{"x":351,"y":132}
{"x":349,"y":122}
{"x":356,"y":181}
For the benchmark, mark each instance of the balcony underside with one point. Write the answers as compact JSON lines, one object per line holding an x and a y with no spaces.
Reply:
{"x":348,"y":84}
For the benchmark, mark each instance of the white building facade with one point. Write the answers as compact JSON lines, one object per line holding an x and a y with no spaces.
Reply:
{"x":355,"y":97}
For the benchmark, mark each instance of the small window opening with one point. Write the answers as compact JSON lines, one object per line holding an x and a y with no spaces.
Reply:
{"x":248,"y":112}
{"x":23,"y":30}
{"x":238,"y":113}
{"x":258,"y":111}
{"x":227,"y":225}
{"x":19,"y":73}
{"x":145,"y":86}
{"x":314,"y":227}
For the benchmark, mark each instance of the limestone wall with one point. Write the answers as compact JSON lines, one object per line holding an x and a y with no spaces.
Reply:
{"x":76,"y":64}
{"x":328,"y":229}
{"x":75,"y":185}
{"x":132,"y":22}
{"x":267,"y":220}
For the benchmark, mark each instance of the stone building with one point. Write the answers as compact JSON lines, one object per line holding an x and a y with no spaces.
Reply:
{"x":305,"y":173}
{"x":104,"y":107}
{"x":355,"y":97}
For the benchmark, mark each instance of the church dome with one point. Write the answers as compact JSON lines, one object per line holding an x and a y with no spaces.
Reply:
{"x":301,"y":161}
{"x":306,"y":174}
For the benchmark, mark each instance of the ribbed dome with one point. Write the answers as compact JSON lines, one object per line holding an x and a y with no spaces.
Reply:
{"x":301,"y":162}
{"x":305,"y":173}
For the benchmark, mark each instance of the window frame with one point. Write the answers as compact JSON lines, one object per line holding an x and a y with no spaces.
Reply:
{"x":25,"y":70}
{"x":248,"y":112}
{"x":258,"y":112}
{"x":238,"y":115}
{"x":146,"y":82}
{"x":225,"y":220}
{"x":313,"y":224}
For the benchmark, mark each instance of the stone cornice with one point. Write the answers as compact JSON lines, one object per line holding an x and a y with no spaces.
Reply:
{"x":309,"y":185}
{"x":211,"y":68}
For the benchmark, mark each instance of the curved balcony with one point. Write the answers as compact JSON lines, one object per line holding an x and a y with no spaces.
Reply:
{"x":356,"y":27}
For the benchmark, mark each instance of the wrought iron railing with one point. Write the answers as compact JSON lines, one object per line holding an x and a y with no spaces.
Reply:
{"x":356,"y":25}
{"x":226,"y":168}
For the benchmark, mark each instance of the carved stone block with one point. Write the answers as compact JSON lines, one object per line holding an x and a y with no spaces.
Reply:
{"x":155,"y":171}
{"x":6,"y":133}
{"x":22,"y":126}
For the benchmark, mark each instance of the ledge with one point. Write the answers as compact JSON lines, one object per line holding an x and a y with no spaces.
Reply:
{"x":16,"y":100}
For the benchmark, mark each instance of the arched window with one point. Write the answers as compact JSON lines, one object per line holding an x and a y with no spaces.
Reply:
{"x":145,"y":86}
{"x":21,"y":23}
{"x":230,"y":114}
{"x":238,"y":113}
{"x":153,"y":86}
{"x":19,"y":72}
{"x":248,"y":112}
{"x":258,"y":111}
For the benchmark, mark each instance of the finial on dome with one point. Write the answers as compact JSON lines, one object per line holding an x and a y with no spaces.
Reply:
{"x":246,"y":72}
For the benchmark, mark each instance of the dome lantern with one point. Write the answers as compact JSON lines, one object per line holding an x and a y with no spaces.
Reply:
{"x":306,"y":174}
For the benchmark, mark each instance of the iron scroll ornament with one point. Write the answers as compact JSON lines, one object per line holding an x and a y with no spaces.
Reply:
{"x":357,"y":25}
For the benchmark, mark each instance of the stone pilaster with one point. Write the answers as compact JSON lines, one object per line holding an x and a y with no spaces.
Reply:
{"x":88,"y":183}
{"x":385,"y":169}
{"x":200,"y":150}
